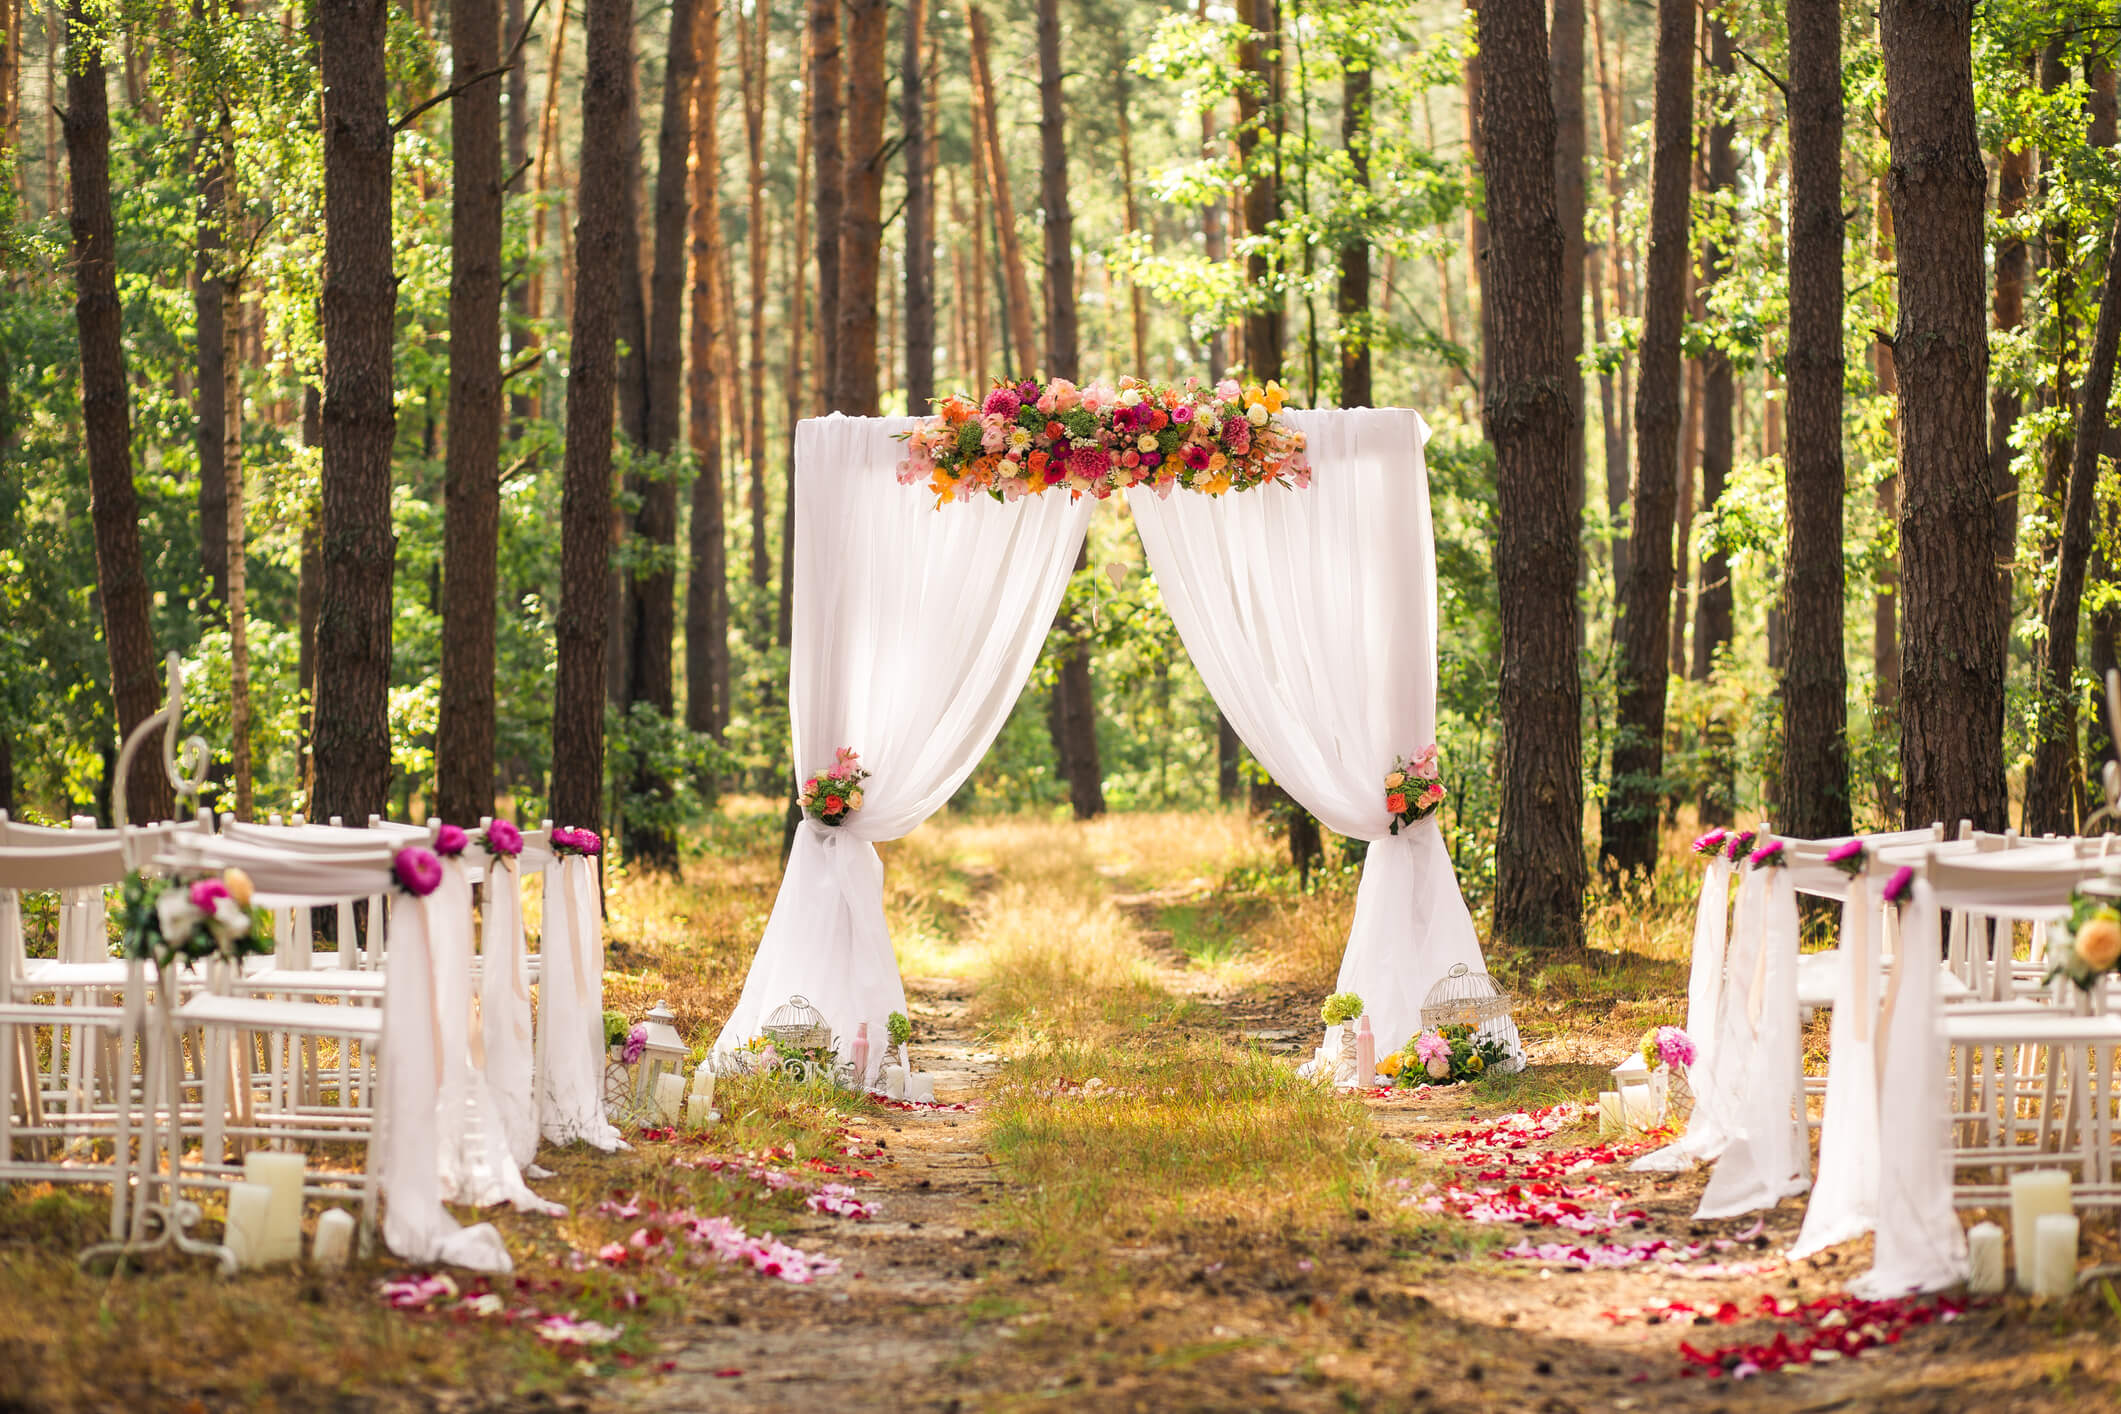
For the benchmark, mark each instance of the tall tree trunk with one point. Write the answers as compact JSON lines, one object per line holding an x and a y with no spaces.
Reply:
{"x":1215,"y":247}
{"x":707,"y":589}
{"x":1815,"y":783}
{"x":1712,"y":598}
{"x":861,"y":233}
{"x":622,"y":607}
{"x":920,"y":216}
{"x":351,"y":742}
{"x":1628,"y":841}
{"x":239,"y":712}
{"x":1262,"y":186}
{"x":212,"y":159}
{"x":798,"y":337}
{"x":472,"y":507}
{"x":1023,"y":339}
{"x":2104,"y":131}
{"x":1613,"y":157}
{"x":652,"y":585}
{"x":1951,"y":706}
{"x":756,"y":245}
{"x":1539,"y":841}
{"x":551,"y":161}
{"x":1683,"y":505}
{"x":1130,"y":211}
{"x":828,"y":160}
{"x":106,"y":413}
{"x":1353,"y":301}
{"x":2054,"y":783}
{"x":1885,"y":606}
{"x":1476,"y":219}
{"x":2014,"y":173}
{"x":522,"y":405}
{"x":309,"y":570}
{"x":600,"y":240}
{"x":1566,"y":63}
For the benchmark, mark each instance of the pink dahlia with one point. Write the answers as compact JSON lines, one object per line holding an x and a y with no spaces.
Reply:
{"x":1002,"y":402}
{"x":1089,"y":462}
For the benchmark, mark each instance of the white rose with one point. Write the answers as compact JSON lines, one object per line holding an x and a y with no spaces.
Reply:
{"x":178,"y":916}
{"x":231,"y":920}
{"x":1130,"y":397}
{"x":1257,"y":414}
{"x":1146,"y":442}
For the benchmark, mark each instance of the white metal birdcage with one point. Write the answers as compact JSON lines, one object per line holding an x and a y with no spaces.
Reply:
{"x":1466,"y":998}
{"x":797,"y":1026}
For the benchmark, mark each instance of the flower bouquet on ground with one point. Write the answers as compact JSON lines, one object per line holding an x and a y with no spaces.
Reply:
{"x":1667,"y":1051}
{"x":835,"y":793}
{"x":168,"y":919}
{"x":1028,"y":438}
{"x":1444,"y":1056}
{"x":1414,"y":789}
{"x":2085,"y":946}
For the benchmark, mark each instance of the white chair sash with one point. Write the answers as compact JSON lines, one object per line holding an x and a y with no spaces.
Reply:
{"x":571,"y":1010}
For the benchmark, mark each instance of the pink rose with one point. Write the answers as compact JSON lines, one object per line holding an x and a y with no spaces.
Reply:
{"x":450,"y":841}
{"x":417,"y":871}
{"x":1228,"y":390}
{"x":1182,"y":414}
{"x":504,"y":839}
{"x":206,"y":894}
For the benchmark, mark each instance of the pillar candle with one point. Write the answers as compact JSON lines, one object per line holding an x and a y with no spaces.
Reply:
{"x":1637,"y":1108}
{"x":703,"y":1084}
{"x":920,"y":1088}
{"x":2055,"y":1255}
{"x":2035,"y":1194}
{"x":895,"y":1081}
{"x":669,"y":1097}
{"x":699,"y":1114}
{"x":333,"y":1243}
{"x":283,"y":1174}
{"x":1984,"y":1257}
{"x":249,"y":1219}
{"x":1611,"y":1120}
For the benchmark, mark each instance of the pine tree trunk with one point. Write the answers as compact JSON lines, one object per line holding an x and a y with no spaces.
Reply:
{"x":550,"y":160}
{"x":351,"y":742}
{"x":1062,"y":358}
{"x":472,"y":509}
{"x":1712,"y":596}
{"x":1952,"y":668}
{"x":1628,"y":841}
{"x":1262,"y":188}
{"x":2014,"y":173}
{"x":1611,"y":79}
{"x":920,"y":216}
{"x":239,"y":712}
{"x":1815,"y":784}
{"x":1885,"y":608}
{"x":1352,"y":303}
{"x":522,"y":405}
{"x":1539,"y":843}
{"x":756,"y":245}
{"x":707,"y":589}
{"x":211,"y":156}
{"x":829,"y":169}
{"x":600,"y":240}
{"x":1130,"y":211}
{"x":1566,"y":64}
{"x":2054,"y":782}
{"x":1023,"y":338}
{"x":1683,"y":505}
{"x":106,"y":414}
{"x":798,"y":337}
{"x":309,"y":570}
{"x":861,"y":232}
{"x":1476,"y":216}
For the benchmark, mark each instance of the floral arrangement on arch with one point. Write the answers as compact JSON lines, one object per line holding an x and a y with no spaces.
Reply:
{"x":835,"y":793}
{"x":168,"y":919}
{"x":1028,"y":438}
{"x":1414,"y":789}
{"x":2087,"y":945}
{"x":1447,"y":1055}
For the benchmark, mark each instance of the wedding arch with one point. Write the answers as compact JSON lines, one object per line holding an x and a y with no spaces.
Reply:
{"x":1308,"y":609}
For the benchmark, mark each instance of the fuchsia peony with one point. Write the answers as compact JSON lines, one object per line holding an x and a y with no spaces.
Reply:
{"x":1900,"y":885}
{"x":503,"y":839}
{"x":450,"y":841}
{"x":206,"y":894}
{"x":1712,"y":842}
{"x":417,"y":871}
{"x":572,"y":841}
{"x":1847,"y":857}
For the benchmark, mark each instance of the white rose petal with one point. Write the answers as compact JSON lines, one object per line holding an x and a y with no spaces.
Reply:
{"x":177,"y":915}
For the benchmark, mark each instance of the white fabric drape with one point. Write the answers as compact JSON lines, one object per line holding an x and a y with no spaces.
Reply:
{"x":1844,"y":1203}
{"x":1311,"y":616}
{"x":472,"y":1157}
{"x":571,"y":1010}
{"x":1920,"y":1245}
{"x":1769,"y":1146}
{"x":1707,"y":1129}
{"x":415,"y":1224}
{"x":915,"y":630}
{"x":504,"y":1010}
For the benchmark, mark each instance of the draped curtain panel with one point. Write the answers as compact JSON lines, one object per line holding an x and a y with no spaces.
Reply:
{"x":1311,"y":616}
{"x":915,"y":631}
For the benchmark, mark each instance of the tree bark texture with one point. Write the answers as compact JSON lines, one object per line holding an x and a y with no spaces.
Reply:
{"x":1476,"y":220}
{"x":522,"y":404}
{"x":1712,"y":596}
{"x":861,"y":233}
{"x":1628,"y":841}
{"x":1566,"y":63}
{"x":472,"y":501}
{"x":351,"y":742}
{"x":828,"y":160}
{"x":1258,"y":54}
{"x":707,"y":589}
{"x":1952,"y":663}
{"x":207,"y":396}
{"x":1352,"y":301}
{"x":920,"y":215}
{"x":1815,"y":785}
{"x":1023,"y":340}
{"x":1539,"y":841}
{"x":2055,"y":782}
{"x":601,"y":234}
{"x":756,"y":245}
{"x":1062,"y":358}
{"x":106,"y":414}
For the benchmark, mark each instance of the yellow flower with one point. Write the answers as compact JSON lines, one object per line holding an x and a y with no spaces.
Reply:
{"x":1474,"y":1064}
{"x":1395,"y":780}
{"x":1218,"y":462}
{"x":238,"y":885}
{"x":1216,"y":484}
{"x":1253,"y":393}
{"x":1274,"y":396}
{"x":1146,"y":442}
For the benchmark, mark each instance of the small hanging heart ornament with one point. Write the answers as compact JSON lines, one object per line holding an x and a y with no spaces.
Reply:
{"x":1117,"y":571}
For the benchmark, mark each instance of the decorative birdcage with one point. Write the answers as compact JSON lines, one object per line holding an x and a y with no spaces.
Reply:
{"x":797,"y":1026}
{"x":1466,"y":998}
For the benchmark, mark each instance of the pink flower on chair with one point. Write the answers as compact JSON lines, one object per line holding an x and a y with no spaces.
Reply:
{"x":206,"y":894}
{"x":417,"y":871}
{"x":450,"y":841}
{"x":503,"y":839}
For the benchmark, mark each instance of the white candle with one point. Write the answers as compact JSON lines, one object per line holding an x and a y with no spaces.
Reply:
{"x":670,"y":1097}
{"x":283,"y":1174}
{"x":2035,"y":1194}
{"x":1611,"y":1119}
{"x":2055,"y":1262}
{"x":920,"y":1088}
{"x":703,"y":1085}
{"x":1637,"y":1107}
{"x":333,"y":1244}
{"x":895,"y":1081}
{"x":1984,"y":1259}
{"x":249,"y":1219}
{"x":699,"y":1114}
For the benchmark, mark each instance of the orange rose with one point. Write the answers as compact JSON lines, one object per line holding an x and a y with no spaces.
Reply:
{"x":1038,"y":463}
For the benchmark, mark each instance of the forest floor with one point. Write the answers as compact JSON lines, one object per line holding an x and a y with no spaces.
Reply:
{"x":1139,"y":1207}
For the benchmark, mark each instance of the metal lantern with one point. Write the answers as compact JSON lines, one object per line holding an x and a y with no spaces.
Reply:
{"x":665,"y":1054}
{"x":1466,"y":998}
{"x":797,"y":1026}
